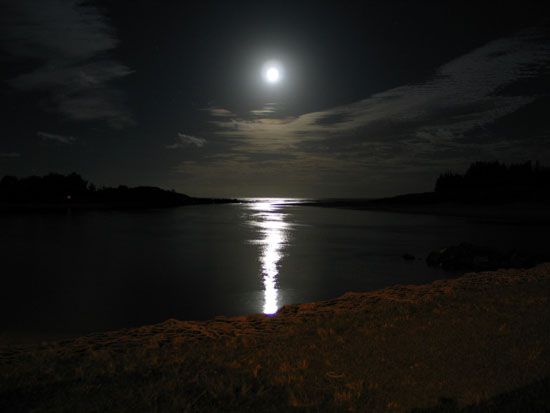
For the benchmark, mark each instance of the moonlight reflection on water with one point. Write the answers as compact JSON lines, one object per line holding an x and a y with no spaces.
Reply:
{"x":274,"y":231}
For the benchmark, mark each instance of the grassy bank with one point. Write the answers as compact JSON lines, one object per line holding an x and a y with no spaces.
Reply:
{"x":480,"y":343}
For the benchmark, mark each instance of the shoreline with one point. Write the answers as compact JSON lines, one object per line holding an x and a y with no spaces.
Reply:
{"x":23,"y":207}
{"x":469,"y":339}
{"x":517,"y":213}
{"x":521,"y":213}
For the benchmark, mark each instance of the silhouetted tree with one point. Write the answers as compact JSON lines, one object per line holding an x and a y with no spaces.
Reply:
{"x":496,"y":181}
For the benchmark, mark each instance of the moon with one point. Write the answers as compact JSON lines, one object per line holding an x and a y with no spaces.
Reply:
{"x":272,"y":75}
{"x":272,"y":72}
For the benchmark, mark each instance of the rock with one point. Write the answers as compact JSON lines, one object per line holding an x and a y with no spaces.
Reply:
{"x":469,"y":257}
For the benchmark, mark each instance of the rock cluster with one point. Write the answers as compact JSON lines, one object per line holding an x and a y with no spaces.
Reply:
{"x":469,"y":257}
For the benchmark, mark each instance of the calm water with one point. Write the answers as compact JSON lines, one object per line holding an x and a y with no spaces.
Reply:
{"x":73,"y":273}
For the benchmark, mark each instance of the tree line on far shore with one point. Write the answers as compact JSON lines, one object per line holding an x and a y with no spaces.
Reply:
{"x":72,"y":188}
{"x":482,"y":182}
{"x":496,"y":181}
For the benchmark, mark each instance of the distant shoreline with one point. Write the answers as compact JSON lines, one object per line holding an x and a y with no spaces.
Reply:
{"x":57,"y":192}
{"x":102,"y":206}
{"x":527,"y":213}
{"x":512,"y":212}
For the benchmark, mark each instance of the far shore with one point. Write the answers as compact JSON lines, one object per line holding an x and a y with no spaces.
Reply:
{"x":478,"y":342}
{"x":512,"y":212}
{"x":528,"y":213}
{"x":89,"y":206}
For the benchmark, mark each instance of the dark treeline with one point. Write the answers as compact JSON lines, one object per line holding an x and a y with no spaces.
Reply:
{"x":73,"y":189}
{"x":496,"y":181}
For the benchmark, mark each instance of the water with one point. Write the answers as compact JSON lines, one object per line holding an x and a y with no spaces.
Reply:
{"x":74,"y":273}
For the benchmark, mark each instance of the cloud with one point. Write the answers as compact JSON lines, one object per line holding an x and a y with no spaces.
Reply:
{"x":69,"y":41}
{"x":65,"y":140}
{"x":443,"y":122}
{"x":10,"y":155}
{"x":332,"y":118}
{"x":267,"y":110}
{"x":464,"y":96}
{"x":218,"y":112}
{"x":184,"y":140}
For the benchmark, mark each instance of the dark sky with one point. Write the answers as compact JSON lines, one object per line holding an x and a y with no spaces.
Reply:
{"x":376,"y":98}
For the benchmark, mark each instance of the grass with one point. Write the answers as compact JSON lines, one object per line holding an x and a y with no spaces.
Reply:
{"x":477,"y":343}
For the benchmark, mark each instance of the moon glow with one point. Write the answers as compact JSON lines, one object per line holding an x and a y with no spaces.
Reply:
{"x":272,"y":75}
{"x":272,"y":72}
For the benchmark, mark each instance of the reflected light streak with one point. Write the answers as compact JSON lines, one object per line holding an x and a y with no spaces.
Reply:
{"x":274,"y":237}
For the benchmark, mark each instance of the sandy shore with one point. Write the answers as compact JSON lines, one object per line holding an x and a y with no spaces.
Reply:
{"x":480,"y":342}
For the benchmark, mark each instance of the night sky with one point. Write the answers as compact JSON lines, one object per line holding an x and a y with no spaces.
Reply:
{"x":376,"y":98}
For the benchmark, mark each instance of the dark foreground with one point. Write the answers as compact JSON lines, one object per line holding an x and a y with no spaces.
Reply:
{"x":477,"y":343}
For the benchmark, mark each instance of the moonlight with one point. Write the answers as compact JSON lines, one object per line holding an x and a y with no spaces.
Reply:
{"x":272,"y":72}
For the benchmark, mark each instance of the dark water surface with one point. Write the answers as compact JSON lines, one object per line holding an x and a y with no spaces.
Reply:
{"x":74,"y":273}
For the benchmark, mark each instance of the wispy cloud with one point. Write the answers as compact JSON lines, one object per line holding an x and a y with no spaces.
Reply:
{"x":269,"y":109}
{"x":218,"y":112}
{"x":65,"y":140}
{"x":183,"y":140}
{"x":10,"y":155}
{"x":71,"y":42}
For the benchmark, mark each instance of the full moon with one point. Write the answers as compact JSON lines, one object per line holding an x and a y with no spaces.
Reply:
{"x":273,"y":72}
{"x":272,"y":75}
